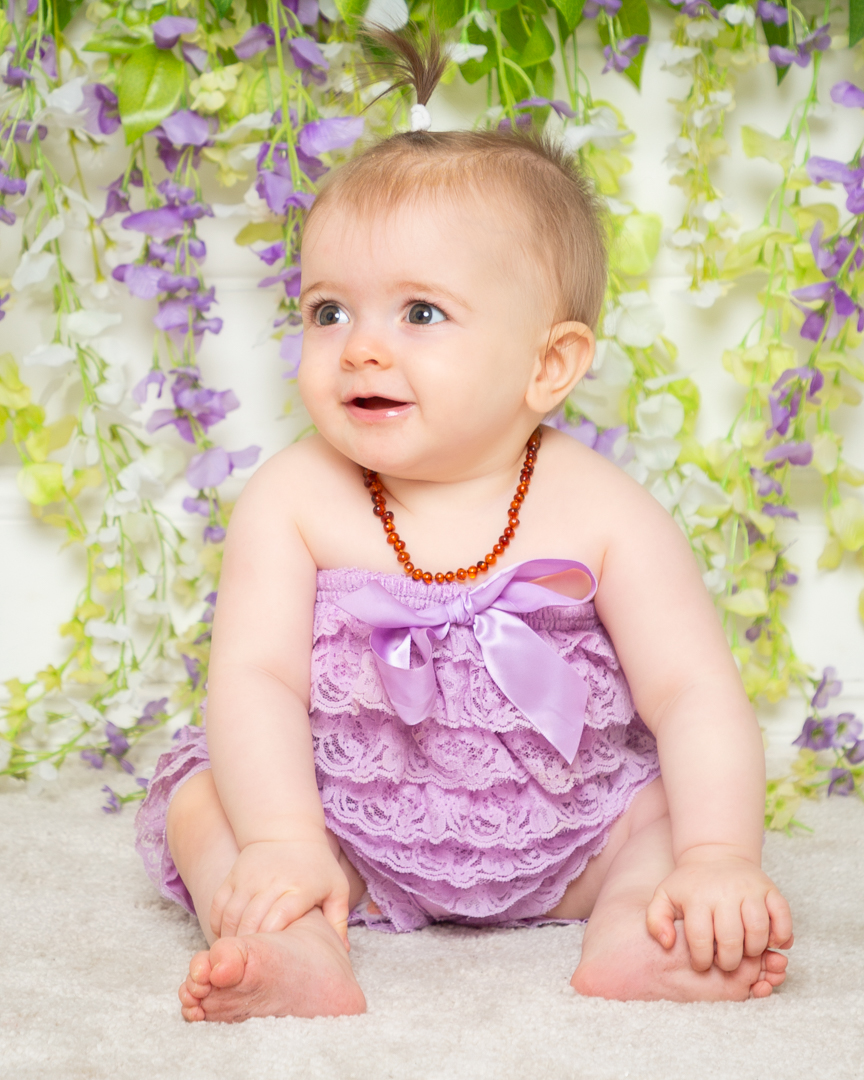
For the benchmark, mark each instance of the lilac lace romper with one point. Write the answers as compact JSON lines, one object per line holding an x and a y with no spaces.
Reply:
{"x":470,"y":816}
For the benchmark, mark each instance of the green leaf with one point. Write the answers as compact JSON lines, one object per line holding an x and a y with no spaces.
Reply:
{"x":541,"y":45}
{"x":514,"y":30}
{"x":501,"y":5}
{"x":222,"y":7}
{"x":117,"y":44}
{"x":472,"y":70}
{"x":856,"y":21}
{"x":636,"y":246}
{"x":778,"y":35}
{"x":148,"y":89}
{"x":448,"y":13}
{"x":351,"y":10}
{"x":634,"y":19}
{"x":758,"y":143}
{"x":270,"y":231}
{"x":570,"y":11}
{"x":65,"y":10}
{"x":750,"y":602}
{"x":544,"y":81}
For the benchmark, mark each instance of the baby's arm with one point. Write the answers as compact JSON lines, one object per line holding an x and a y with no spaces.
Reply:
{"x":687,"y":689}
{"x":258,"y":729}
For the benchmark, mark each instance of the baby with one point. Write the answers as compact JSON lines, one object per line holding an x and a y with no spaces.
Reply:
{"x":398,"y":735}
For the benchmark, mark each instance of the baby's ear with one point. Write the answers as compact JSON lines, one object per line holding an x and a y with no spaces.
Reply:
{"x":567,"y":356}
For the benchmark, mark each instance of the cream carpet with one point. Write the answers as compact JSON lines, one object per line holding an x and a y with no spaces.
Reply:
{"x":91,"y":958}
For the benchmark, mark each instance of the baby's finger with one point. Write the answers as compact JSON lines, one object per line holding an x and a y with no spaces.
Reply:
{"x":699,"y":931}
{"x":286,"y":909}
{"x":729,"y":935}
{"x":660,"y":919}
{"x":781,"y":920}
{"x":757,"y":925}
{"x":232,"y":913}
{"x":335,"y":911}
{"x":253,"y":915}
{"x":220,"y":899}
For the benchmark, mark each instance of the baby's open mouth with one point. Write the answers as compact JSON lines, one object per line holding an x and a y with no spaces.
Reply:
{"x":376,"y":403}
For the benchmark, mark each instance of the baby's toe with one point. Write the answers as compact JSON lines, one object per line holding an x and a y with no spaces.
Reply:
{"x":774,"y":962}
{"x":761,"y":989}
{"x":199,"y":969}
{"x":228,"y":958}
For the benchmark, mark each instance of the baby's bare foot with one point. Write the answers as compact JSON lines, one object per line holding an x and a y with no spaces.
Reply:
{"x":645,"y":971}
{"x":301,"y":971}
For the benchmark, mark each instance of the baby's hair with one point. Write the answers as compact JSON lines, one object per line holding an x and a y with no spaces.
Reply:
{"x":531,"y":175}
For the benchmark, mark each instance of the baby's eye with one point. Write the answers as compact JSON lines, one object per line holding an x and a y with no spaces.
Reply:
{"x":425,"y":314}
{"x":330,"y":315}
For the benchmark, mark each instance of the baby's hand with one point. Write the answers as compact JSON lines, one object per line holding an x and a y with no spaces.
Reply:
{"x":274,"y":882}
{"x":724,"y":898}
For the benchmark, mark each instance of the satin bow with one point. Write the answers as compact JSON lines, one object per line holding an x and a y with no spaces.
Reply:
{"x":527,"y":671}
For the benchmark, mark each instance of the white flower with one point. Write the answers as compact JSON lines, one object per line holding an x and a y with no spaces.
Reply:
{"x":675,"y":58}
{"x":63,"y":105}
{"x":656,"y":453}
{"x":107,"y":631}
{"x":735,"y":14}
{"x":33,"y":268}
{"x":602,"y":129}
{"x":636,"y":321}
{"x":660,"y":415}
{"x":460,"y":52}
{"x":705,"y":296}
{"x":107,"y":654}
{"x":698,"y":493}
{"x":391,"y":14}
{"x":687,"y":237}
{"x":702,"y":29}
{"x":329,"y":10}
{"x":599,"y":397}
{"x":89,"y":323}
{"x":54,"y":355}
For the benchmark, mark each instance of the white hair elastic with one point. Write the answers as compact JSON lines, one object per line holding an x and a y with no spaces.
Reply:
{"x":421,"y":119}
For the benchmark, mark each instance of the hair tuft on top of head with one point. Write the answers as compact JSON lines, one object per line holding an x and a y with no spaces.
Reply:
{"x":418,"y":62}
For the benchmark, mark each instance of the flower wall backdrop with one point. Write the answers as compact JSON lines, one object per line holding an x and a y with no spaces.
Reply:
{"x":134,"y":134}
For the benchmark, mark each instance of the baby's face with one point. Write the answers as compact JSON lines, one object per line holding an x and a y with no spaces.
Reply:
{"x":421,"y":330}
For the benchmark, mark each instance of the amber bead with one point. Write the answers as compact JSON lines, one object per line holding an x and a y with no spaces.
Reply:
{"x":388,"y":516}
{"x":491,"y":559}
{"x":509,"y":533}
{"x":403,"y":557}
{"x":518,"y":498}
{"x":498,"y":549}
{"x":389,"y":525}
{"x":449,"y":576}
{"x":514,"y":523}
{"x":408,"y":567}
{"x":427,"y":577}
{"x":417,"y":575}
{"x":439,"y":579}
{"x":473,"y":572}
{"x":377,"y":510}
{"x":399,"y":545}
{"x":461,"y":574}
{"x":393,"y":538}
{"x":522,"y":489}
{"x":515,"y":506}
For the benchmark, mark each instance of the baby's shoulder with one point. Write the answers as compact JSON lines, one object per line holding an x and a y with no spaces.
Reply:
{"x":298,"y":477}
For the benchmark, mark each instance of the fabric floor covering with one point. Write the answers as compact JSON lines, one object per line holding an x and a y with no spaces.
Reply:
{"x":91,"y":959}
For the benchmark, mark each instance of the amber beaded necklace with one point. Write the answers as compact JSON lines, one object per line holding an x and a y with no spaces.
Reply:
{"x":379,"y":509}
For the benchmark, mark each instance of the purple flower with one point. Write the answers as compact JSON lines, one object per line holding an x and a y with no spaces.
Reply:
{"x":96,"y":759}
{"x":305,"y":10}
{"x":194,"y":55}
{"x":855,"y":753}
{"x":693,"y":9}
{"x":817,"y":734}
{"x":818,"y":41}
{"x":117,"y":741}
{"x":161,"y":224}
{"x":197,"y":506}
{"x":560,"y":107}
{"x":290,"y":277}
{"x":829,"y":261}
{"x":11,"y":186}
{"x":154,"y":711}
{"x":8,"y":218}
{"x":23,"y":131}
{"x":16,"y":77}
{"x":214,"y":534}
{"x":141,"y":280}
{"x":842,"y":782}
{"x":192,"y":401}
{"x":765,"y":485}
{"x":112,"y":803}
{"x":193,"y":670}
{"x":290,"y":349}
{"x":139,"y":393}
{"x":167,"y":31}
{"x":118,"y":200}
{"x":821,"y":169}
{"x":186,"y":128}
{"x":628,"y":49}
{"x":848,"y":94}
{"x":773,"y":510}
{"x":829,"y":687}
{"x":272,"y":254}
{"x":334,"y":133}
{"x":47,"y":55}
{"x":796,"y":453}
{"x":306,"y":54}
{"x":848,"y":728}
{"x":772,"y":13}
{"x":278,"y":192}
{"x":100,"y":105}
{"x":254,"y":41}
{"x":593,"y":8}
{"x":3,"y":299}
{"x":213,"y":466}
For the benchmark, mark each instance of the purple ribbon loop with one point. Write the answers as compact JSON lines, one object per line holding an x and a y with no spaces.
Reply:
{"x":528,"y":672}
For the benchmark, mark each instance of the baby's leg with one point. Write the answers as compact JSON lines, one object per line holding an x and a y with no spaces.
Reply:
{"x":303,"y":970}
{"x":620,"y":959}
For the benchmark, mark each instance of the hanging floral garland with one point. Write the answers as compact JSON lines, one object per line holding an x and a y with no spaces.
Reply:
{"x":186,"y":94}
